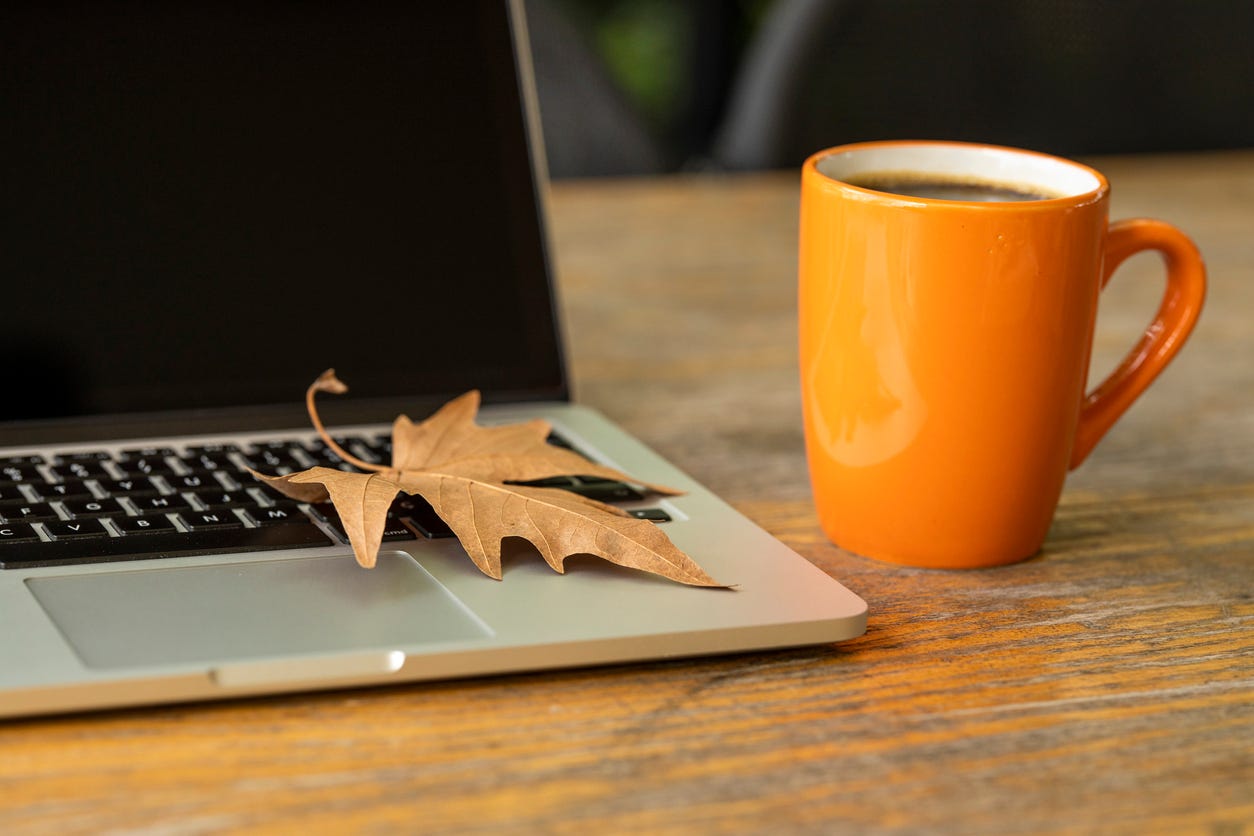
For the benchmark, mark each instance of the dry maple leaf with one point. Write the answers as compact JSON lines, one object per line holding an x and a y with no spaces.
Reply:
{"x":463,"y":470}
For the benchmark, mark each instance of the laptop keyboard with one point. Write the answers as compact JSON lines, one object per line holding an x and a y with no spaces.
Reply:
{"x":153,"y":502}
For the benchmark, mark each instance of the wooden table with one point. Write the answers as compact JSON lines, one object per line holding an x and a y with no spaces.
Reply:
{"x":1107,"y":685}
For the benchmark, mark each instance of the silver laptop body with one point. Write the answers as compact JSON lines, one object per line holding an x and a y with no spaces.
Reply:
{"x":192,"y":183}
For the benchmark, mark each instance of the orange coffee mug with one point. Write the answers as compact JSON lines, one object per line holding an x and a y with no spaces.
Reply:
{"x":948,"y":293}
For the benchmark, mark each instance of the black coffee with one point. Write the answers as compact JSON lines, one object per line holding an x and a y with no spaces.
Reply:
{"x":947,"y":187}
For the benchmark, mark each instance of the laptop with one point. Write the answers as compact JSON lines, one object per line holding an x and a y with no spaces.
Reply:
{"x":207,"y":204}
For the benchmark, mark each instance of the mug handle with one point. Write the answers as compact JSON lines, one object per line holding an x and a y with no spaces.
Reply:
{"x":1162,"y":340}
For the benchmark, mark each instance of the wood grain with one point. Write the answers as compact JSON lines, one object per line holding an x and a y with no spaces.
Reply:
{"x":1105,"y":686}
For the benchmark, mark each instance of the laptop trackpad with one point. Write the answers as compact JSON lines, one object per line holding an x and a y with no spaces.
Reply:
{"x":252,"y":610}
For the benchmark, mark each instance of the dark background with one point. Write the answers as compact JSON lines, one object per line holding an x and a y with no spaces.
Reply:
{"x":642,"y":86}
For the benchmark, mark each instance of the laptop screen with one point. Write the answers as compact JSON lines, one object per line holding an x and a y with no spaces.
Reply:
{"x":205,"y":204}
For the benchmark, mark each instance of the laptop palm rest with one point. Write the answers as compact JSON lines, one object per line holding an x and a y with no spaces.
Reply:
{"x":271,"y":608}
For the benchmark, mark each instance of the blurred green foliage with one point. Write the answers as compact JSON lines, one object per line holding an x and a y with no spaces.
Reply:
{"x":655,"y":50}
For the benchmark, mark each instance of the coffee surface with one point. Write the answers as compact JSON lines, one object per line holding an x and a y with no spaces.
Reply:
{"x":948,"y":187}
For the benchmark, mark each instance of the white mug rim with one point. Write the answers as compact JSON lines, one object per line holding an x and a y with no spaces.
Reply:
{"x":1068,"y":182}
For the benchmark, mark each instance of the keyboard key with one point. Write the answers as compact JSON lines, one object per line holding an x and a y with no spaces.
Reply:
{"x":79,"y":470}
{"x":10,"y":493}
{"x":432,"y":527}
{"x":151,"y":524}
{"x":603,"y":490}
{"x":551,"y":482}
{"x":20,"y":473}
{"x":270,"y":460}
{"x":19,"y":461}
{"x":319,"y":450}
{"x":73,"y":489}
{"x":356,"y":445}
{"x":177,"y":544}
{"x":367,"y":450}
{"x":332,"y":461}
{"x":107,"y":507}
{"x":192,"y":481}
{"x":395,"y":531}
{"x":212,"y":449}
{"x":326,"y":511}
{"x":128,"y":487}
{"x":27,"y":512}
{"x":148,"y":453}
{"x":208,"y":462}
{"x":418,"y":511}
{"x":282,"y":445}
{"x":656,"y":515}
{"x":203,"y":520}
{"x":160,"y":504}
{"x":277,"y":514}
{"x":147,"y":466}
{"x":606,"y":491}
{"x":73,"y":529}
{"x":216,"y":497}
{"x":17,"y":533}
{"x":353,"y":446}
{"x":83,"y":456}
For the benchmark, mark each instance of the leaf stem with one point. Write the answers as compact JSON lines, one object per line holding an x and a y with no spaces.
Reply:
{"x":313,"y":389}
